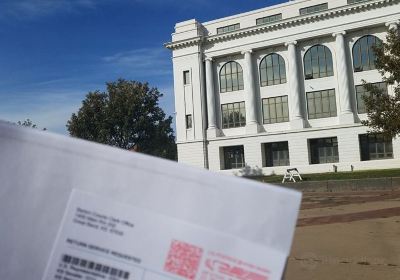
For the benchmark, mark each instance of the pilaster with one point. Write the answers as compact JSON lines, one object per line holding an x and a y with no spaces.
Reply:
{"x":212,"y":130}
{"x":346,"y":115}
{"x":296,"y":116}
{"x":252,"y":125}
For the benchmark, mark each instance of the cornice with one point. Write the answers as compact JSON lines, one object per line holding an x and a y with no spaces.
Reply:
{"x":282,"y":24}
{"x":195,"y":41}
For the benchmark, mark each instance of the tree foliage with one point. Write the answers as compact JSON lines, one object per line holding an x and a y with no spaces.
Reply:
{"x":28,"y":123}
{"x":383,"y":110}
{"x":127,"y":116}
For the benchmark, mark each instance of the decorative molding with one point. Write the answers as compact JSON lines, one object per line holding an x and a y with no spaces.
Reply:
{"x":246,"y":51}
{"x":339,"y":33}
{"x":286,"y":23}
{"x":290,"y":43}
{"x":184,"y":43}
{"x":393,"y":24}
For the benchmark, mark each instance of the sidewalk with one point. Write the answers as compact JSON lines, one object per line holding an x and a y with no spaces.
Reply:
{"x":347,"y":235}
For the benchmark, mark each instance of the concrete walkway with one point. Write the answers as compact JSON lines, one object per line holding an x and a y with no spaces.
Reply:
{"x":347,"y":235}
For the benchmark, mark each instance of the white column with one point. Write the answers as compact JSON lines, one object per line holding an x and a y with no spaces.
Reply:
{"x":296,"y":116}
{"x":346,"y":115}
{"x":212,"y":130}
{"x":251,"y":99}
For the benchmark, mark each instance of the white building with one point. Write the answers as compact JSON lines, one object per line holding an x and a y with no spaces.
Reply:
{"x":280,"y":86}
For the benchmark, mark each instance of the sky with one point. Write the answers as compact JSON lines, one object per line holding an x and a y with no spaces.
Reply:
{"x":53,"y":52}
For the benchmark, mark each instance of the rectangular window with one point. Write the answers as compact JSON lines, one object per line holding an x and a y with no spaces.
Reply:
{"x":229,"y":28}
{"x":313,"y":9}
{"x":186,"y":77}
{"x":324,"y":150}
{"x":321,"y":104}
{"x":269,"y":19}
{"x":375,"y":146}
{"x":277,"y":154}
{"x":355,"y":1}
{"x":233,"y":115}
{"x":188,"y":121}
{"x":275,"y":109}
{"x":361,"y":91}
{"x":234,"y":157}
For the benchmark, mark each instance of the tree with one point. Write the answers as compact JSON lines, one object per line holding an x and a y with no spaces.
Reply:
{"x":127,"y":116}
{"x":383,"y":110}
{"x":28,"y":123}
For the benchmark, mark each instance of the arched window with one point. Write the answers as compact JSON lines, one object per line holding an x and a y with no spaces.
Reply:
{"x":318,"y":62}
{"x":272,"y":70}
{"x":363,"y":53}
{"x":231,"y":77}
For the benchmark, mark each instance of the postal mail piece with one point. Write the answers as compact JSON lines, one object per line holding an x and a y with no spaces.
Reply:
{"x":39,"y":170}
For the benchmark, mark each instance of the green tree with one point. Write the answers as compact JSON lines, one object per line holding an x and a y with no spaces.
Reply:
{"x":383,"y":110}
{"x":28,"y":123}
{"x":127,"y":116}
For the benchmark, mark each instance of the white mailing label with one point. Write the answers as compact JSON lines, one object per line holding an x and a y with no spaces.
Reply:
{"x":103,"y":239}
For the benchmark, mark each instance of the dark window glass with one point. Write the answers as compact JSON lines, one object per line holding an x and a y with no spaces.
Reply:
{"x":186,"y":77}
{"x":272,"y":70}
{"x":375,"y":146}
{"x":313,"y":9}
{"x":268,"y":19}
{"x":188,"y":121}
{"x":277,"y":154}
{"x":321,"y":104}
{"x":228,"y":28}
{"x":234,"y":157}
{"x":361,"y":91}
{"x":233,"y":115}
{"x":275,"y":109}
{"x":318,"y":62}
{"x":324,"y":150}
{"x":231,"y":77}
{"x":363,"y":53}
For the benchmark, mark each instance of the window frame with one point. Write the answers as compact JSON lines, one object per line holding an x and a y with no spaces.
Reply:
{"x":189,"y":121}
{"x":282,"y":150}
{"x":265,"y":102}
{"x":228,"y":28}
{"x":229,"y":165}
{"x":281,"y":70}
{"x":324,"y":69}
{"x":370,"y":55}
{"x":269,"y":19}
{"x":238,"y":120}
{"x":186,"y":78}
{"x":351,"y":2}
{"x":314,"y":9}
{"x":365,"y":152}
{"x":229,"y":77}
{"x":320,"y":115}
{"x":360,"y":102}
{"x":323,"y":145}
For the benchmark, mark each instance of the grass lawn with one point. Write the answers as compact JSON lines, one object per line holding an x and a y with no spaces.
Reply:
{"x":335,"y":176}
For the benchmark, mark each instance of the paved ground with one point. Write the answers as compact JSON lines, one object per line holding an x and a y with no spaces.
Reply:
{"x":354,"y":236}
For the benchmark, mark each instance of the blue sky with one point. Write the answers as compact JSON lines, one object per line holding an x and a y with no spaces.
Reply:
{"x":52,"y":52}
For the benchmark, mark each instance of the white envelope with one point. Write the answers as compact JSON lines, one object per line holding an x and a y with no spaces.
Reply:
{"x":38,"y":171}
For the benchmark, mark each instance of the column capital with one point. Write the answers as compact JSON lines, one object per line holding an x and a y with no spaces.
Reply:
{"x":339,"y":33}
{"x":290,"y":43}
{"x":246,"y":51}
{"x":392,"y":24}
{"x":208,"y":58}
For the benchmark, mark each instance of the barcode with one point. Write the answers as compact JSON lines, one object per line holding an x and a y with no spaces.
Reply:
{"x":97,"y":267}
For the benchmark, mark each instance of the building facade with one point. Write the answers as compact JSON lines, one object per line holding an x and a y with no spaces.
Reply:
{"x":261,"y":91}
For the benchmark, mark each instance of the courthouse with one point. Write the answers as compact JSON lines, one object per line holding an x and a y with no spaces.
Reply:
{"x":281,"y":87}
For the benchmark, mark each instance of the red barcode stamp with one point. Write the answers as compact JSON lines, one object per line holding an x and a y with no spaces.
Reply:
{"x":183,"y":259}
